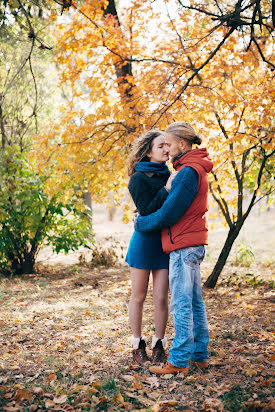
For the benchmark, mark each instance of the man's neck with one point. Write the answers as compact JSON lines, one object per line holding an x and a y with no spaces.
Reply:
{"x":180,"y":155}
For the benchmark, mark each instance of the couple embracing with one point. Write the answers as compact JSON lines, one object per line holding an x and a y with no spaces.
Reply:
{"x":170,"y":234}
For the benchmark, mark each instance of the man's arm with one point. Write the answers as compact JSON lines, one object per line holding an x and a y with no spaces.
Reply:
{"x":183,"y":191}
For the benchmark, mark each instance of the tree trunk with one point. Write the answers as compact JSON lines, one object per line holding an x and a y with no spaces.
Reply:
{"x":231,"y":237}
{"x":28,"y":265}
{"x":125,"y":69}
{"x":87,"y":198}
{"x":23,"y":265}
{"x":2,"y":129}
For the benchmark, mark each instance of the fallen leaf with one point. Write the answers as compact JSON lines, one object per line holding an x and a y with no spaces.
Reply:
{"x":190,"y":379}
{"x":128,"y":378}
{"x":212,"y":404}
{"x":37,"y":390}
{"x":153,"y":381}
{"x":22,"y":394}
{"x":157,"y":408}
{"x":251,"y":372}
{"x":168,"y":376}
{"x":118,"y":398}
{"x":52,"y":377}
{"x":92,"y":378}
{"x":153,"y":395}
{"x":170,"y":402}
{"x":49,"y":404}
{"x":266,"y":382}
{"x":60,"y":399}
{"x":12,"y":408}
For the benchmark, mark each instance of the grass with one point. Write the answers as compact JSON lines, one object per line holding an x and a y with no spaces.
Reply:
{"x":234,"y":399}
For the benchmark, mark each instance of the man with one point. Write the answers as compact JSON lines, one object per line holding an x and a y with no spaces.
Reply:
{"x":182,"y":219}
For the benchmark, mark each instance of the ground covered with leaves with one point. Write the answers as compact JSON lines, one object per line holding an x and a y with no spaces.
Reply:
{"x":65,"y":345}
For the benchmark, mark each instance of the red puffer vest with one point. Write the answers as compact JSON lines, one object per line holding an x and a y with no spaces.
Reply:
{"x":191,"y":229}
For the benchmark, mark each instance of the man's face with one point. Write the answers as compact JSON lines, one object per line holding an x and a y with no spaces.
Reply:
{"x":174,"y":145}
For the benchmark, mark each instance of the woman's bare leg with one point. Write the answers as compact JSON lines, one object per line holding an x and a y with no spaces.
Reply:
{"x":160,"y":295}
{"x":139,"y":281}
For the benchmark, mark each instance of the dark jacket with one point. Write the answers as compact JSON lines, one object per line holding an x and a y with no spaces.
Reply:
{"x":148,"y":193}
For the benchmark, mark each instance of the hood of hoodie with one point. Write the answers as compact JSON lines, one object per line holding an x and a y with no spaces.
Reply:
{"x":197,"y":157}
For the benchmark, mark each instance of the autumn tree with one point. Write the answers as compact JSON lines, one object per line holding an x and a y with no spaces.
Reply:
{"x":25,"y":58}
{"x":127,"y":74}
{"x":241,"y":138}
{"x":30,"y":217}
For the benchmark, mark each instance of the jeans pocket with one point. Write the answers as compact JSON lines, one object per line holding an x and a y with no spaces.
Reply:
{"x":174,"y":255}
{"x":195,"y":256}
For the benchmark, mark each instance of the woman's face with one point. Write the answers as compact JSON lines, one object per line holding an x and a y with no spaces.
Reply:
{"x":159,"y":151}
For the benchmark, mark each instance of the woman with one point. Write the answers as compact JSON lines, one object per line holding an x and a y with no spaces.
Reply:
{"x":149,"y":184}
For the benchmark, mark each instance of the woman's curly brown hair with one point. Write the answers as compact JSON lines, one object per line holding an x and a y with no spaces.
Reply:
{"x":141,"y":147}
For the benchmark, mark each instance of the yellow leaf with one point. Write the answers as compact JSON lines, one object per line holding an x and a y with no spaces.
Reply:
{"x":251,"y":372}
{"x":118,"y":398}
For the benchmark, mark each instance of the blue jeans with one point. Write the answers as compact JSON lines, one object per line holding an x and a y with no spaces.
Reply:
{"x":187,"y":307}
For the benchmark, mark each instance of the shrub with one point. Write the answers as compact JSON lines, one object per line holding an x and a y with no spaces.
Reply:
{"x":244,"y":255}
{"x":30,"y":218}
{"x":103,"y":257}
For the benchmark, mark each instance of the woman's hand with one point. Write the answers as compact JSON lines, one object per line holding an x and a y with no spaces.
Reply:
{"x":135,"y":215}
{"x":170,"y":180}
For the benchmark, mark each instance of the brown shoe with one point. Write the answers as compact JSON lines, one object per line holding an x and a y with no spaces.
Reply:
{"x":159,"y":355}
{"x":140,"y":355}
{"x":200,"y":365}
{"x":168,"y":368}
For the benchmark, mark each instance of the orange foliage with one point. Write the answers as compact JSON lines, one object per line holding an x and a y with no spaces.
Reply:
{"x":107,"y":111}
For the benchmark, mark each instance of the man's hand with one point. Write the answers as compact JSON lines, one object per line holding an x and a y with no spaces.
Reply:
{"x":170,"y":180}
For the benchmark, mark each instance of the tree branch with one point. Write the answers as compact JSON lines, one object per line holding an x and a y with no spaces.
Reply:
{"x":221,"y":202}
{"x":252,"y":202}
{"x":193,"y":75}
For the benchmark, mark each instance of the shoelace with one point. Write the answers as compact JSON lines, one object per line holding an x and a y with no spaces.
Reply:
{"x":165,"y":365}
{"x":143,"y":354}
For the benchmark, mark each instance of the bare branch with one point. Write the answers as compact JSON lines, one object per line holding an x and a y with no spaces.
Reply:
{"x":261,"y":53}
{"x":193,"y":75}
{"x":259,"y":178}
{"x":197,"y":9}
{"x":264,"y":196}
{"x":35,"y":88}
{"x":221,"y":202}
{"x":16,"y":74}
{"x":192,"y":66}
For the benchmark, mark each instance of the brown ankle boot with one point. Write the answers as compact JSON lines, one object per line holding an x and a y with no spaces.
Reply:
{"x":168,"y":368}
{"x":140,"y":355}
{"x":158,"y":355}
